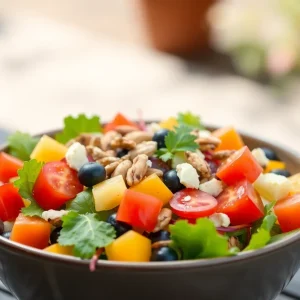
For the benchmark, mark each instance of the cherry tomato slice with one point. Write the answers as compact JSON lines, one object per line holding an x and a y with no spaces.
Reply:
{"x":287,"y":211}
{"x":241,"y":203}
{"x":9,"y":167}
{"x":241,"y":165}
{"x":56,"y":184}
{"x":192,"y":204}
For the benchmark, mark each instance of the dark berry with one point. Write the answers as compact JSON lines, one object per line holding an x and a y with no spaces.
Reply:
{"x":91,"y":173}
{"x":164,"y":254}
{"x":161,"y":235}
{"x":213,"y":166}
{"x":281,"y":172}
{"x":270,"y":154}
{"x":120,"y":227}
{"x":159,"y":164}
{"x":171,"y":180}
{"x":55,"y":235}
{"x":159,"y":137}
{"x":121,"y":152}
{"x":6,"y":235}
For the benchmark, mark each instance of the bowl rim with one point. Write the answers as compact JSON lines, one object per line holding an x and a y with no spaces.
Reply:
{"x":71,"y":261}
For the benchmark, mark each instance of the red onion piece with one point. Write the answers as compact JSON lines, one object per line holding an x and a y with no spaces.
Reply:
{"x":94,"y":259}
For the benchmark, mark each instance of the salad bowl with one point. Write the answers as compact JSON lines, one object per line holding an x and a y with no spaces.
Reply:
{"x":32,"y":274}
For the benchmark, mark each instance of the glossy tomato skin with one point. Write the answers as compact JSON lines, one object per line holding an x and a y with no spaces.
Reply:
{"x":9,"y":167}
{"x":287,"y":211}
{"x":241,"y":203}
{"x":10,"y":202}
{"x":193,"y":204}
{"x":139,"y":210}
{"x":56,"y":184}
{"x":241,"y":165}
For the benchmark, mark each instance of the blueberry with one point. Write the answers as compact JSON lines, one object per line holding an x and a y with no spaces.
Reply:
{"x":120,"y":227}
{"x":270,"y":154}
{"x":91,"y":173}
{"x":1,"y":227}
{"x":55,"y":235}
{"x":172,"y":181}
{"x":121,"y":152}
{"x":164,"y":254}
{"x":159,"y":137}
{"x":6,"y":235}
{"x":161,"y":235}
{"x":281,"y":172}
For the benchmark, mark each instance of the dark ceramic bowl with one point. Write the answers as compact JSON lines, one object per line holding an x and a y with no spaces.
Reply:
{"x":31,"y":274}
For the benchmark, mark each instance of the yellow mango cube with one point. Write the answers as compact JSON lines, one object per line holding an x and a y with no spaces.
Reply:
{"x":295,"y":181}
{"x":274,"y":164}
{"x":48,"y":149}
{"x":58,"y":249}
{"x":169,"y":123}
{"x":109,"y":193}
{"x":130,"y":246}
{"x":153,"y":185}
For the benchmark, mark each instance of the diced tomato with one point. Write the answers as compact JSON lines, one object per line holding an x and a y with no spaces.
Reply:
{"x":287,"y":211}
{"x":10,"y":202}
{"x":56,"y":184}
{"x":118,"y":120}
{"x":139,"y":210}
{"x":240,"y":165}
{"x":31,"y":231}
{"x":241,"y":203}
{"x":192,"y":204}
{"x":9,"y":166}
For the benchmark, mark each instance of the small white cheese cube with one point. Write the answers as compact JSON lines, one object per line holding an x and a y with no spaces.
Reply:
{"x":153,"y":127}
{"x":149,"y":163}
{"x":220,"y":219}
{"x":260,"y":156}
{"x":204,"y":134}
{"x":188,"y":175}
{"x":213,"y":187}
{"x":76,"y":156}
{"x":53,"y":214}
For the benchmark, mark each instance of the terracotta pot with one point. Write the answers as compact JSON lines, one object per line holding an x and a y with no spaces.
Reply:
{"x":177,"y":26}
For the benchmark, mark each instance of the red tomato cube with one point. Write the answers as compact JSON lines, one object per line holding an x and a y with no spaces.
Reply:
{"x":9,"y":166}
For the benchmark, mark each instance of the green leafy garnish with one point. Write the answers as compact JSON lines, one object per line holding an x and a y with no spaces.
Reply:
{"x":190,"y":120}
{"x":177,"y":141}
{"x":86,"y":233}
{"x":83,"y":203}
{"x":75,"y":126}
{"x":261,"y":234}
{"x":27,"y":177}
{"x":282,"y":236}
{"x":21,"y":145}
{"x":200,"y":240}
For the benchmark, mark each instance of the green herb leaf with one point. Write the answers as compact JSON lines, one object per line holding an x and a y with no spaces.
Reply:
{"x":190,"y":120}
{"x":200,"y":240}
{"x":282,"y":236}
{"x":27,"y":177}
{"x":86,"y":233}
{"x":75,"y":126}
{"x":21,"y":145}
{"x":83,"y":203}
{"x":178,"y":141}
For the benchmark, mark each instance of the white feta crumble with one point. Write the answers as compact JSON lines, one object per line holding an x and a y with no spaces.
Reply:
{"x":188,"y":175}
{"x":260,"y":156}
{"x":204,"y":134}
{"x":213,"y":187}
{"x":8,"y":226}
{"x":149,"y":163}
{"x":153,"y":127}
{"x":76,"y":156}
{"x":220,"y":219}
{"x":53,"y":214}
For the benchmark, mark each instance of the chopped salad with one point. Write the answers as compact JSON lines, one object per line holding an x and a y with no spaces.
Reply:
{"x":135,"y":192}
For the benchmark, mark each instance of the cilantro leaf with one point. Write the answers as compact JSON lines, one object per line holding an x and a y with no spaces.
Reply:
{"x":86,"y":233}
{"x":200,"y":240}
{"x":179,"y":140}
{"x":75,"y":126}
{"x":21,"y":145}
{"x":27,"y":177}
{"x":83,"y":203}
{"x":190,"y":120}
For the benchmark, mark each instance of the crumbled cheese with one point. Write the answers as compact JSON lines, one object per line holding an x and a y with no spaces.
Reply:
{"x":53,"y":214}
{"x":260,"y":156}
{"x":220,"y":219}
{"x":76,"y":156}
{"x":8,"y":226}
{"x":204,"y":134}
{"x":188,"y":175}
{"x":213,"y":187}
{"x":153,"y":127}
{"x":149,"y":163}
